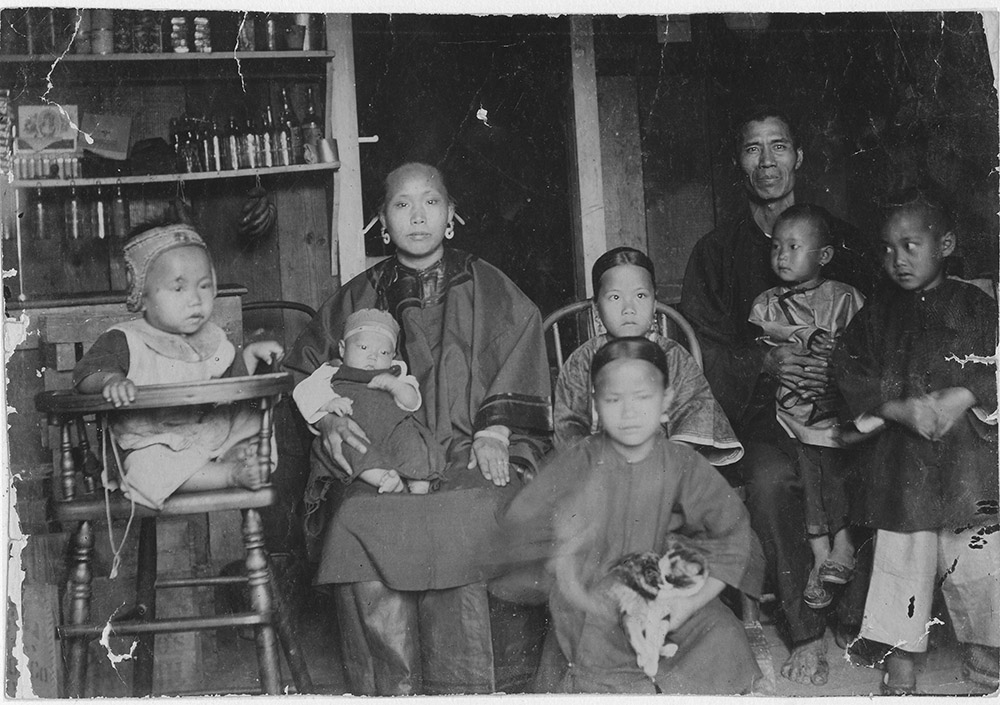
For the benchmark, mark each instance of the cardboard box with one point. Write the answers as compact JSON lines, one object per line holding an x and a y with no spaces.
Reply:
{"x":110,"y":135}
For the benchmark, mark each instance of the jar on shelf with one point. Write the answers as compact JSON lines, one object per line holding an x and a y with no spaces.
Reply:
{"x":179,"y":41}
{"x":146,"y":33}
{"x":202,"y":35}
{"x":102,"y":31}
{"x":124,"y":37}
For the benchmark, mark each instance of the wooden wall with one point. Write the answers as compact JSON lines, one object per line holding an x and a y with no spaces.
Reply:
{"x":294,"y":263}
{"x":927,"y":117}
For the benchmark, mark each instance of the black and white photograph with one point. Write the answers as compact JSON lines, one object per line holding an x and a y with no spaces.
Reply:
{"x":484,"y":349}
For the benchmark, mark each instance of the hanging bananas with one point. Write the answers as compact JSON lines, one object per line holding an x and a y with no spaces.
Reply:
{"x":258,"y":216}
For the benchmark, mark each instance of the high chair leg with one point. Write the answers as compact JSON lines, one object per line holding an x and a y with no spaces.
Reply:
{"x":258,"y":577}
{"x":145,"y":599}
{"x":79,"y":608}
{"x":289,"y":644}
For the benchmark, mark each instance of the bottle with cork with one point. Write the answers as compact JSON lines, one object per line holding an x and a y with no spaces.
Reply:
{"x":289,"y":120}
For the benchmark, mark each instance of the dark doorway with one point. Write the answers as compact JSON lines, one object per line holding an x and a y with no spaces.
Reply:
{"x":485,"y":99}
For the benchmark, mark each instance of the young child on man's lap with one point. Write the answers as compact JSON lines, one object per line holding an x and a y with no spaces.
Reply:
{"x":808,"y":312}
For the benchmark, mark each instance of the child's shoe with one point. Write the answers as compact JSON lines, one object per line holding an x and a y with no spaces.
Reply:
{"x":835,"y":572}
{"x":816,"y":596}
{"x":981,"y":665}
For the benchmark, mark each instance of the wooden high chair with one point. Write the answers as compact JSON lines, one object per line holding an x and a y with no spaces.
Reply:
{"x":80,"y":499}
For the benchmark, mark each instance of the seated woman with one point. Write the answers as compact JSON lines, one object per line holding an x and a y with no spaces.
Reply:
{"x":410,"y":596}
{"x":624,"y":283}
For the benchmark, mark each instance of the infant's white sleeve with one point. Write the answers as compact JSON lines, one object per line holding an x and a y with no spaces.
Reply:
{"x":314,"y":392}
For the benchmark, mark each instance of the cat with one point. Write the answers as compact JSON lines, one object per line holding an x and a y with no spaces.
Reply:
{"x":643,"y":586}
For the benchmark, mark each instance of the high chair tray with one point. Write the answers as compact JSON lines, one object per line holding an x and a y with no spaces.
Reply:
{"x":215,"y":391}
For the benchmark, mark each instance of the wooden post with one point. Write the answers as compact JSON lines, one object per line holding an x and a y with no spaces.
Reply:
{"x":621,"y":162}
{"x":585,"y":155}
{"x":348,"y":257}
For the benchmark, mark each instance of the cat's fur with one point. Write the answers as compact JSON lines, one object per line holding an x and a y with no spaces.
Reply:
{"x":644,"y":585}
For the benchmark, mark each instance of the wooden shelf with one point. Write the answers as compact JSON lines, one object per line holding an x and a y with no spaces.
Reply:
{"x":170,"y":178}
{"x":165,"y":56}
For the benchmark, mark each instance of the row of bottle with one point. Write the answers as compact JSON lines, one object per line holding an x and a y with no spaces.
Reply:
{"x":213,"y":145}
{"x":93,"y":212}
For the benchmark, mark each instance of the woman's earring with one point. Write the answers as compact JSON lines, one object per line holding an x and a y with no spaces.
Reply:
{"x":385,"y":236}
{"x":449,"y":232}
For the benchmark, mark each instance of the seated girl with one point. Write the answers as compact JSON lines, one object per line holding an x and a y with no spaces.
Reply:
{"x":625,"y":295}
{"x":622,"y":491}
{"x":172,"y":281}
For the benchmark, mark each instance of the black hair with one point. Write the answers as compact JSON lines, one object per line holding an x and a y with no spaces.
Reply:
{"x":817,"y":217}
{"x":759,"y":113}
{"x":630,"y":348}
{"x":406,"y":167}
{"x":617,"y":256}
{"x":932,"y":209}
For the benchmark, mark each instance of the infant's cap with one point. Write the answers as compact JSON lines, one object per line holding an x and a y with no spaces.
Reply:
{"x":371,"y":319}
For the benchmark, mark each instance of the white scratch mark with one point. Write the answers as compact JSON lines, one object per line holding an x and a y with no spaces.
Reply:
{"x":15,"y":331}
{"x":236,"y":48}
{"x":902,"y":642}
{"x":978,"y":359}
{"x":105,"y":641}
{"x":49,"y":85}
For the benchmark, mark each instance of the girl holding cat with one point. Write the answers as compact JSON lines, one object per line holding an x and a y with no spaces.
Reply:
{"x":620,"y":491}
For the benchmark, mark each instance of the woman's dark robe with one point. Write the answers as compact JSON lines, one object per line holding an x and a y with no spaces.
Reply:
{"x":474,"y":342}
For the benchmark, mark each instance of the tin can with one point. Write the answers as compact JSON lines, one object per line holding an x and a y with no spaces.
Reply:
{"x":271,"y":32}
{"x":305,"y":19}
{"x":102,"y":39}
{"x":81,"y":39}
{"x":246,"y":39}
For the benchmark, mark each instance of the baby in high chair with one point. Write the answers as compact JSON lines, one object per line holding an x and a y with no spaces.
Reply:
{"x":181,"y":449}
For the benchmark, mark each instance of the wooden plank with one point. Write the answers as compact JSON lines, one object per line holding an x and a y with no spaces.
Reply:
{"x":585,"y":155}
{"x":40,"y":605}
{"x":621,"y":162}
{"x":192,"y":56}
{"x":179,"y":177}
{"x":304,"y":247}
{"x":348,"y":258}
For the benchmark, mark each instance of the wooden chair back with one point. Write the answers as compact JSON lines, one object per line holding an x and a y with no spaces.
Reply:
{"x":575,"y":323}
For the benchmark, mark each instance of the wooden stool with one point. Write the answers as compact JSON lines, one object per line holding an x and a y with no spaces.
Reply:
{"x":268,"y":615}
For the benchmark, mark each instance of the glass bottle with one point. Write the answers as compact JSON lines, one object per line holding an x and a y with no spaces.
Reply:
{"x":216,"y":142}
{"x":42,"y":231}
{"x":266,"y":142}
{"x":233,"y":143}
{"x":289,"y":120}
{"x":73,"y":215}
{"x":282,"y":144}
{"x":312,"y":128}
{"x":250,"y":144}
